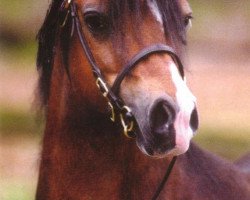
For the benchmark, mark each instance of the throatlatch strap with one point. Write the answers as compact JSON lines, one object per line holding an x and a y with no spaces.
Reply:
{"x":165,"y":178}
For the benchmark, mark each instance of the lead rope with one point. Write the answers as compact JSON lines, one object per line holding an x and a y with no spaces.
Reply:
{"x":165,"y":179}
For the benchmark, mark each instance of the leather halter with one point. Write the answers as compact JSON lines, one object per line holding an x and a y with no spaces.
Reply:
{"x":117,"y":105}
{"x":119,"y":110}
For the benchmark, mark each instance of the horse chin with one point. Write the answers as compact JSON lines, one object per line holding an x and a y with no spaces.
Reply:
{"x":177,"y":150}
{"x":155,"y":154}
{"x":155,"y":148}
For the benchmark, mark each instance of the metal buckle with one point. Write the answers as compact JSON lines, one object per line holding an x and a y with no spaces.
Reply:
{"x":112,"y":117}
{"x":104,"y":90}
{"x":126,"y":127}
{"x":102,"y":86}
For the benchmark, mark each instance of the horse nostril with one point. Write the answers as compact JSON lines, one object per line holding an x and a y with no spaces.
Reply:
{"x":194,"y":120}
{"x":162,"y":116}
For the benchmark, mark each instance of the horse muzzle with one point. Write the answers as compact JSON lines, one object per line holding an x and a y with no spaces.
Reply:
{"x":166,"y":128}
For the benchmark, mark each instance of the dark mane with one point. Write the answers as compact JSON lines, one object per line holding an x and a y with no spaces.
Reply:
{"x":117,"y":9}
{"x":46,"y":48}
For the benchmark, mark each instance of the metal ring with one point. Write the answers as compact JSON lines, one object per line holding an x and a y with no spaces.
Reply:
{"x":102,"y":86}
{"x":127,"y":109}
{"x":112,"y":112}
{"x":126,"y":127}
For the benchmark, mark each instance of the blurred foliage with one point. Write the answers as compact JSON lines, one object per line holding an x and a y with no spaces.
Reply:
{"x":20,"y":20}
{"x":228,"y":143}
{"x":224,"y":20}
{"x":18,"y":191}
{"x":15,"y":121}
{"x":19,"y":24}
{"x":20,"y":55}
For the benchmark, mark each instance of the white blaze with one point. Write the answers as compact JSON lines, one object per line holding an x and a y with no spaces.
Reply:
{"x":155,"y":11}
{"x":186,"y":102}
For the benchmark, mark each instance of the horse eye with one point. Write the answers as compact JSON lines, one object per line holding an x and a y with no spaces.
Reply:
{"x":188,"y":21}
{"x":97,"y":23}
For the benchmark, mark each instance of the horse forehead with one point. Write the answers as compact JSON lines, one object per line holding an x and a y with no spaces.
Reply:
{"x":100,"y":1}
{"x":185,"y":7}
{"x":92,"y":2}
{"x":155,"y":10}
{"x":184,"y":3}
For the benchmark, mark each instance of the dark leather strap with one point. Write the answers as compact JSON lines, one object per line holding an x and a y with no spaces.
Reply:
{"x":165,"y":178}
{"x":144,"y":53}
{"x":95,"y":68}
{"x":118,"y":107}
{"x":84,"y":43}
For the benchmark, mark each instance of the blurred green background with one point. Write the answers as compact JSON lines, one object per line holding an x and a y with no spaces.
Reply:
{"x":218,"y":73}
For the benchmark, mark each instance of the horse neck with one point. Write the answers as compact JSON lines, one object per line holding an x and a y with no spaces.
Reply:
{"x":91,"y":154}
{"x":207,"y":176}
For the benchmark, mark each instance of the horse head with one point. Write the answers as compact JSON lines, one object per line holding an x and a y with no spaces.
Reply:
{"x":107,"y":35}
